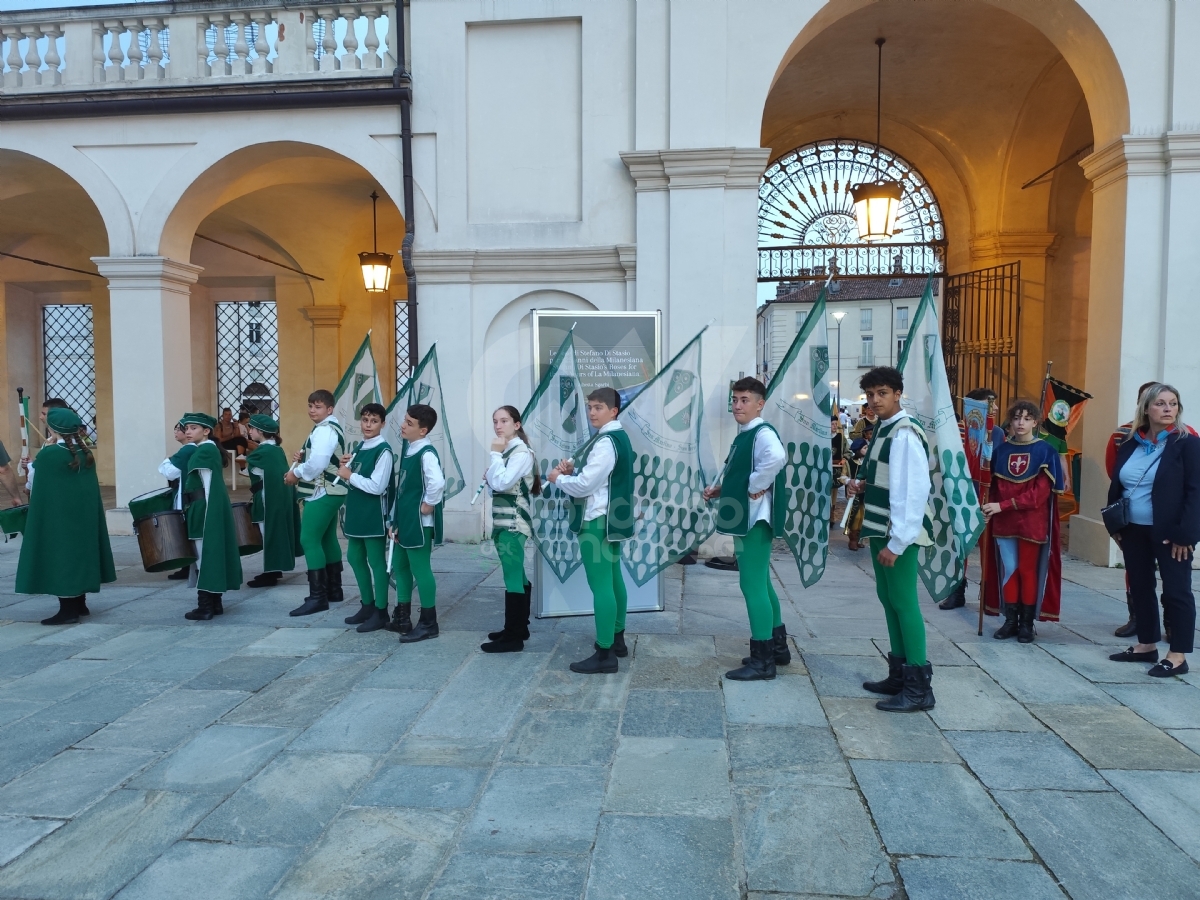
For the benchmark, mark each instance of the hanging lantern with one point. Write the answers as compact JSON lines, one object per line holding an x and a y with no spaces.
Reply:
{"x":376,"y":266}
{"x":875,"y":208}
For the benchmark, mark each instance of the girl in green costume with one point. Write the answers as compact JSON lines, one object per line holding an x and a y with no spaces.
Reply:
{"x":275,"y":504}
{"x":512,"y":477}
{"x":65,"y":550}
{"x":416,"y":523}
{"x":368,"y":472}
{"x":209,"y":520}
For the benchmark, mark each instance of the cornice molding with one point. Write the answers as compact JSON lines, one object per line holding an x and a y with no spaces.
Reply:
{"x":646,"y":167}
{"x":126,"y":272}
{"x":324,"y":316}
{"x":1129,"y":155}
{"x":704,"y":167}
{"x":518,"y":266}
{"x":1001,"y":245}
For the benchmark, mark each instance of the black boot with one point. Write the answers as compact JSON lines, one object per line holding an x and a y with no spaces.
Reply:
{"x":316,"y":600}
{"x":364,"y":612}
{"x":916,"y":694}
{"x":1025,"y":629}
{"x":508,"y":639}
{"x":523,"y":613}
{"x":401,"y":619}
{"x":1009,"y":628}
{"x":181,"y":575}
{"x":66,"y":614}
{"x":425,"y":629}
{"x":761,"y":666}
{"x":618,"y":644}
{"x":957,"y":598}
{"x":333,"y":583}
{"x":894,"y":683}
{"x":204,"y":608}
{"x":1129,"y":629}
{"x":602,"y":662}
{"x":783,"y":653}
{"x":377,"y":620}
{"x":81,"y":606}
{"x":218,"y":609}
{"x":266,"y":579}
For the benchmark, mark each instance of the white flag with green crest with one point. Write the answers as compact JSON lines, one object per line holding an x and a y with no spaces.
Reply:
{"x":957,"y":522}
{"x":555,"y":420}
{"x":425,"y":386}
{"x":799,"y":406}
{"x":663,"y":424}
{"x":358,"y":387}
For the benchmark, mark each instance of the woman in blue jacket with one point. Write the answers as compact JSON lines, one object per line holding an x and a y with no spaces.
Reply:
{"x":1158,"y":471}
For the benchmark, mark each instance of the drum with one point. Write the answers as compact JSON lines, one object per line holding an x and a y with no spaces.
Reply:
{"x":249,"y":535}
{"x":12,"y":519}
{"x":158,"y":501}
{"x":164,"y":543}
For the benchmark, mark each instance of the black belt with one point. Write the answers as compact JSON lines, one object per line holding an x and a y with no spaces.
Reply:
{"x":255,"y":487}
{"x":191,"y":497}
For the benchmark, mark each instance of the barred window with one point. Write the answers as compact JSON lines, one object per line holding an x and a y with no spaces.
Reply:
{"x":403,"y":363}
{"x":248,"y":356}
{"x":69,"y":359}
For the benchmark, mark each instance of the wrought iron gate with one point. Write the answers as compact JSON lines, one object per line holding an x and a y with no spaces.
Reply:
{"x":981,"y":329}
{"x":247,"y":356}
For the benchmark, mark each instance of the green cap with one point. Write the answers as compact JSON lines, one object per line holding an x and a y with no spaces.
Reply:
{"x":199,"y":418}
{"x":63,"y":421}
{"x":265,"y":424}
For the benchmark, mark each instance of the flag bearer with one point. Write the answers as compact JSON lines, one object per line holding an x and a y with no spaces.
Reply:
{"x":209,"y":520}
{"x":368,"y":472}
{"x":746,"y":511}
{"x":65,"y":551}
{"x":416,"y":524}
{"x":316,"y":479}
{"x":894,"y":482}
{"x":602,"y":517}
{"x":275,"y":504}
{"x":512,"y":477}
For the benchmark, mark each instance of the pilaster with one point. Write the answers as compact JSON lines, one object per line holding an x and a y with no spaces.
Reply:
{"x":326,"y":323}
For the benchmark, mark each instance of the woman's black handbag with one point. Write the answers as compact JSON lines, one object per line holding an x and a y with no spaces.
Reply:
{"x":1116,"y":515}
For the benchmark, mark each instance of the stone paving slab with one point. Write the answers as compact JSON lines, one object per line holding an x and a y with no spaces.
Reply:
{"x":221,"y":871}
{"x":1114,"y":737}
{"x":368,"y":721}
{"x":241,"y":673}
{"x":863,"y":734}
{"x":1034,"y":676}
{"x":1171,"y":800}
{"x":695,"y":714}
{"x":788,"y":700}
{"x":426,"y":787}
{"x":978,"y":879}
{"x":1011,"y":761}
{"x":493,"y":876}
{"x":670,"y":777}
{"x":564,"y":737}
{"x":1170,"y":703}
{"x":166,"y":720}
{"x":18,"y":834}
{"x":970,"y":700}
{"x":665,"y":857}
{"x":71,"y":781}
{"x":771,"y":755}
{"x":218,"y":759}
{"x":35,"y":739}
{"x":535,"y":809}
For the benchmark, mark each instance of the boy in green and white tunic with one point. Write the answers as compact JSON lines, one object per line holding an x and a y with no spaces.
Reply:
{"x":172,"y":469}
{"x":316,"y":480}
{"x":274,"y":502}
{"x":209,"y":521}
{"x":368,"y":472}
{"x":602,"y":516}
{"x":895,"y":484}
{"x":512,"y":478}
{"x":416,"y":524}
{"x":747,"y":490}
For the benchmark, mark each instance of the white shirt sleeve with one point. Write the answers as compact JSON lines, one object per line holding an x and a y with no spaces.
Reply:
{"x":435,"y":481}
{"x":595,"y":474}
{"x":908,"y":489}
{"x":502,"y":475}
{"x":324,"y":442}
{"x":29,"y":477}
{"x":168,"y":471}
{"x":378,"y":481}
{"x":769,"y":458}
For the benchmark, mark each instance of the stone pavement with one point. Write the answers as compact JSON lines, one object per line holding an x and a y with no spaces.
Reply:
{"x":142,"y":756}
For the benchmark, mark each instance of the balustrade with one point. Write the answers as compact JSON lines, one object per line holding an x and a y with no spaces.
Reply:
{"x":190,"y":42}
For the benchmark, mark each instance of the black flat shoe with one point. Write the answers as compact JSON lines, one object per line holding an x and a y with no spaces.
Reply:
{"x":1131,"y":655}
{"x":1165,"y":669}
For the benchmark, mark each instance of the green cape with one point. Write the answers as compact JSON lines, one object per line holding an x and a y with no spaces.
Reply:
{"x":276,"y":507}
{"x":65,"y":551}
{"x":210,"y":518}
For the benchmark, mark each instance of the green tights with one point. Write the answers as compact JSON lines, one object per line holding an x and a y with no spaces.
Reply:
{"x":897,"y":590}
{"x":753,"y":554}
{"x":318,"y":531}
{"x":510,"y":547}
{"x":602,"y":565}
{"x":367,"y":558}
{"x":410,"y":564}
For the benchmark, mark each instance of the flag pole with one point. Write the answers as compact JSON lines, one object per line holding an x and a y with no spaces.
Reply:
{"x":1045,"y":385}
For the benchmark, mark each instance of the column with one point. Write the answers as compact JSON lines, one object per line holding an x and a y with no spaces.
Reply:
{"x":151,"y":367}
{"x":326,"y":322}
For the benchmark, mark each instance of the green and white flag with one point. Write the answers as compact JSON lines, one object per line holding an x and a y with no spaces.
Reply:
{"x":663,"y":424}
{"x":954,"y":509}
{"x":425,"y":386}
{"x":799,"y":405}
{"x":358,"y":387}
{"x":555,"y":421}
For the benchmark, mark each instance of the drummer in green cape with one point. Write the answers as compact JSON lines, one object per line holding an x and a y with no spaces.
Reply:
{"x":316,"y":480}
{"x":65,"y":551}
{"x":368,"y":472}
{"x":275,"y":504}
{"x":172,"y":469}
{"x":416,"y":524}
{"x":602,"y":516}
{"x":747,"y":512}
{"x":209,"y":520}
